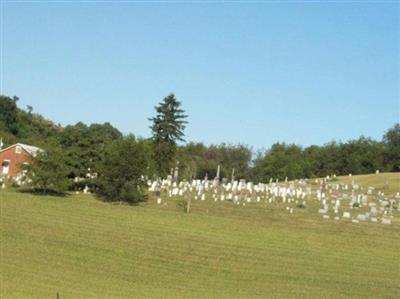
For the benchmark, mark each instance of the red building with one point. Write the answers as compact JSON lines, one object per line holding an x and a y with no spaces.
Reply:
{"x":13,"y":157}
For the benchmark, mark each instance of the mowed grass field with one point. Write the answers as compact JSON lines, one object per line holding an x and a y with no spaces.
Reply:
{"x":81,"y":247}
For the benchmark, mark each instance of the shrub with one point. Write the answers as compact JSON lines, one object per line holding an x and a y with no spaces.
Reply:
{"x":15,"y":185}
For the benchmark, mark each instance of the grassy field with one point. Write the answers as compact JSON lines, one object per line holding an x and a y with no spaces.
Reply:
{"x":83,"y":248}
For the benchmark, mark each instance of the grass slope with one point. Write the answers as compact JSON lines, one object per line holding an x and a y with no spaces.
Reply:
{"x":84,"y":248}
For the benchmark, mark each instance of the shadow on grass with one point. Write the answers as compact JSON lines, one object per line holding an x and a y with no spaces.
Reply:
{"x":43,"y":192}
{"x":118,"y":202}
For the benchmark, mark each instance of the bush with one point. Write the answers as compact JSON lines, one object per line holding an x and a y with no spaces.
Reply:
{"x":301,"y":206}
{"x":356,"y":205}
{"x":15,"y":185}
{"x":132,"y":192}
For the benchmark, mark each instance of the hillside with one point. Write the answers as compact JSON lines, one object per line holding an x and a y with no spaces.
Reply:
{"x":84,"y":248}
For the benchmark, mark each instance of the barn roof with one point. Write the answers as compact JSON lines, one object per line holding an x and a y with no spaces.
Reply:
{"x":32,"y":150}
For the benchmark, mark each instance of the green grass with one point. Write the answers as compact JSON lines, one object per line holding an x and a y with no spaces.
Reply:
{"x":389,"y":183}
{"x":84,"y":248}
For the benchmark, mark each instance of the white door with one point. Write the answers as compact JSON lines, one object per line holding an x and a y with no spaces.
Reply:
{"x":6,"y":167}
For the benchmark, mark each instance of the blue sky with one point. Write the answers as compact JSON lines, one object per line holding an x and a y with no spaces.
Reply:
{"x":254,"y":73}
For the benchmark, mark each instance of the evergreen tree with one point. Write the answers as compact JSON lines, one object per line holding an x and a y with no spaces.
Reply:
{"x":167,"y":129}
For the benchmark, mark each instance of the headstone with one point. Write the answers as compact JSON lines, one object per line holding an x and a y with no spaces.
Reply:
{"x":361,"y":217}
{"x":86,"y":189}
{"x":176,"y":173}
{"x":346,"y":215}
{"x":374,"y":211}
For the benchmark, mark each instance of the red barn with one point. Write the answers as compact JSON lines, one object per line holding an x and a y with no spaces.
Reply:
{"x":13,"y":157}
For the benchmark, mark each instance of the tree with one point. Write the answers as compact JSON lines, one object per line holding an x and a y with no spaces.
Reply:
{"x":280,"y":161}
{"x":84,"y":146}
{"x":197,"y":160}
{"x":29,"y":108}
{"x":167,"y":128}
{"x":392,"y":152}
{"x":9,"y":114}
{"x":17,"y":125}
{"x":48,"y":172}
{"x":121,"y":171}
{"x":362,"y":155}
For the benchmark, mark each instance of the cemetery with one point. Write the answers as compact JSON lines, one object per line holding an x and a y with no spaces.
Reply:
{"x":94,"y":213}
{"x":319,"y":238}
{"x":199,"y":149}
{"x":332,"y":199}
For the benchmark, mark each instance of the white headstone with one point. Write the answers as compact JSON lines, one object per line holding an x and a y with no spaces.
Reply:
{"x":346,"y":215}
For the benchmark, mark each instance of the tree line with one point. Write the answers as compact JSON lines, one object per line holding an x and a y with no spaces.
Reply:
{"x":115,"y":166}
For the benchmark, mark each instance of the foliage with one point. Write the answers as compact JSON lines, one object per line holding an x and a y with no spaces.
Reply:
{"x":281,"y":161}
{"x":391,"y":140}
{"x":84,"y":146}
{"x":362,"y":155}
{"x":301,"y":206}
{"x":17,"y":125}
{"x":48,"y":172}
{"x":167,"y":128}
{"x":198,"y":160}
{"x":121,"y":171}
{"x":8,"y":114}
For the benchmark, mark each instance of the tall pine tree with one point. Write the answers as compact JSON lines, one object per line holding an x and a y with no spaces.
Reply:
{"x":167,"y":128}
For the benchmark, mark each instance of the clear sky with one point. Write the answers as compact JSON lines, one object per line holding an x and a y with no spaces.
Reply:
{"x":254,"y":73}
